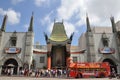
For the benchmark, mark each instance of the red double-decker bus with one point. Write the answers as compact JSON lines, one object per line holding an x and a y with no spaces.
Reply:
{"x":86,"y":70}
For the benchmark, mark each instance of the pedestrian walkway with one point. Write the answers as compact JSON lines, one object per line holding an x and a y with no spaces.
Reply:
{"x":34,"y":78}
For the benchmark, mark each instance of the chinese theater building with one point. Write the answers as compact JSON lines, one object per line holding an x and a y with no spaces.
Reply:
{"x":97,"y":44}
{"x":58,"y":50}
{"x":58,"y":46}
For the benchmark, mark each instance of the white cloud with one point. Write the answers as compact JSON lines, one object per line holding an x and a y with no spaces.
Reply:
{"x":13,"y":16}
{"x":99,"y":11}
{"x":41,"y":2}
{"x":50,"y":27}
{"x":68,"y":8}
{"x":46,"y":19}
{"x":26,"y":26}
{"x":2,"y":12}
{"x":48,"y":22}
{"x":14,"y":2}
{"x":70,"y":28}
{"x":103,"y":9}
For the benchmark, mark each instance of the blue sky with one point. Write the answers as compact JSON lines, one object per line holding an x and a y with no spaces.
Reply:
{"x":72,"y":12}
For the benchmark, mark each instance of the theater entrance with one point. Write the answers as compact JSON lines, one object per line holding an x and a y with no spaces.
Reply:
{"x":58,"y":56}
{"x":10,"y":65}
{"x":113,"y":65}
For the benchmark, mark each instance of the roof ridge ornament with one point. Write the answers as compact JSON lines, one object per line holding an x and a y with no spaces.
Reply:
{"x":71,"y":37}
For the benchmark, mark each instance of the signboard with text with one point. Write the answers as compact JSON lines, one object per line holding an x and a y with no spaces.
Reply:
{"x":12,"y":50}
{"x":106,"y":50}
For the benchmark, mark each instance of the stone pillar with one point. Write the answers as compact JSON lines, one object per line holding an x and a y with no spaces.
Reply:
{"x":18,"y":71}
{"x":0,"y":69}
{"x":28,"y":48}
{"x":118,"y":68}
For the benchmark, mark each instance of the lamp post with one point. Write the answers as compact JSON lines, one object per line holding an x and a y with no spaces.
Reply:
{"x":0,"y":69}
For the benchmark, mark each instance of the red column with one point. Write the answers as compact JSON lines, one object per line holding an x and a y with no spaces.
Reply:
{"x":49,"y":62}
{"x":68,"y":61}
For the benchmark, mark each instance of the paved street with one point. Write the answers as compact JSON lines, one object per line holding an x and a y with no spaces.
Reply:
{"x":33,"y":78}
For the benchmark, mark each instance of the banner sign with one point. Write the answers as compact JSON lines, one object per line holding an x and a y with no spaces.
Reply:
{"x":88,"y":65}
{"x":13,"y":50}
{"x":107,"y":50}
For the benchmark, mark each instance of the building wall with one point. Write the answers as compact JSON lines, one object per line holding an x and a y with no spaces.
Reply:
{"x":43,"y":53}
{"x":36,"y":57}
{"x":29,"y":41}
{"x":80,"y":57}
{"x":97,"y":36}
{"x":6,"y":42}
{"x":21,"y":43}
{"x":82,"y":41}
{"x":98,"y":44}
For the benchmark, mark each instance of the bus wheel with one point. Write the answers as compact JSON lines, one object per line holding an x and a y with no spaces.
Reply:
{"x":79,"y":75}
{"x":118,"y":76}
{"x":102,"y":75}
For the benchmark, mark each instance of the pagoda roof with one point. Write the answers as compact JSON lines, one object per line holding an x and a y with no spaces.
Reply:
{"x":58,"y":33}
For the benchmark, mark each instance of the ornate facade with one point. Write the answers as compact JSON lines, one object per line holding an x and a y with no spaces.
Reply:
{"x":102,"y":44}
{"x":97,"y":44}
{"x":16,"y":48}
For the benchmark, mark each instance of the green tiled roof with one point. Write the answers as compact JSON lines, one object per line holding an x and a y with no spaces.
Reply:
{"x":58,"y":32}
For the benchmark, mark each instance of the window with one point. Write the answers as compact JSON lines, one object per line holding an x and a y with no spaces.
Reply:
{"x":13,"y":41}
{"x":42,"y":59}
{"x":74,"y":59}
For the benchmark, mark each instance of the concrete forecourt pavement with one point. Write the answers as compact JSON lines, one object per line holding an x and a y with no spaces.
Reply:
{"x":34,"y":78}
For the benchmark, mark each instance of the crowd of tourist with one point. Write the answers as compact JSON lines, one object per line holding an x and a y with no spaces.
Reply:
{"x":37,"y":72}
{"x":44,"y":73}
{"x":7,"y":71}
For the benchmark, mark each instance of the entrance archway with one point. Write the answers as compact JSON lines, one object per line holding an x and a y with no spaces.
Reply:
{"x":112,"y":64}
{"x":10,"y":64}
{"x":58,"y":55}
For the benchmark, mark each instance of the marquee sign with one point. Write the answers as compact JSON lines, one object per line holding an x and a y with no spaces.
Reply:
{"x":106,"y":50}
{"x":12,"y":50}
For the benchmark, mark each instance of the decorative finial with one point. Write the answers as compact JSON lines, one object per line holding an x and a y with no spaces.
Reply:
{"x":4,"y":23}
{"x":88,"y":23}
{"x":113,"y":24}
{"x":31,"y":23}
{"x":86,"y":14}
{"x":54,"y":20}
{"x":32,"y":13}
{"x":62,"y":20}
